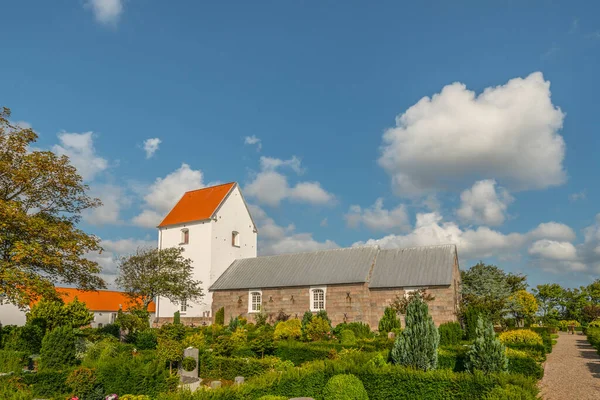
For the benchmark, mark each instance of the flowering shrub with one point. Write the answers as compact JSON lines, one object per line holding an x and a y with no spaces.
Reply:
{"x":111,"y":397}
{"x":521,"y":336}
{"x":290,"y":329}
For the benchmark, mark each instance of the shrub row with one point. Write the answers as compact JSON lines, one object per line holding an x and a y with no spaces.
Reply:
{"x":13,"y":361}
{"x":301,"y":352}
{"x":593,"y":336}
{"x":216,"y":367}
{"x":390,"y":382}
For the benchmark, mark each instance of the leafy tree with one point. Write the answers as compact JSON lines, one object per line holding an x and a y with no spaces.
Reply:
{"x":316,"y":329}
{"x":549,"y":297}
{"x":389,"y":321}
{"x":516,"y":282}
{"x":58,"y":349}
{"x":41,"y":200}
{"x":573,"y":302}
{"x":177,"y":317}
{"x":135,"y":320}
{"x":486,"y":354}
{"x":54,"y":313}
{"x":593,"y":292}
{"x":417,"y":345}
{"x":590,"y":312}
{"x":170,"y":351}
{"x":263,"y":344}
{"x":487,"y":287}
{"x":523,"y":305}
{"x":401,"y":302}
{"x":150,"y":273}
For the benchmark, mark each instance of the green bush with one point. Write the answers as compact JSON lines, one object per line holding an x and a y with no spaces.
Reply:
{"x":177,"y":317}
{"x":82,"y":381}
{"x":290,"y":329}
{"x":526,"y":366}
{"x":344,"y":387}
{"x":509,"y":392}
{"x":26,"y":338}
{"x":58,"y":349}
{"x":47,"y":384}
{"x":111,"y":329}
{"x":450,"y":333}
{"x":317,"y":329}
{"x":546,"y":334}
{"x":13,"y":361}
{"x":220,"y":316}
{"x":470,"y":316}
{"x":134,"y":397}
{"x":417,"y":346}
{"x":172,"y":332}
{"x":521,"y":336}
{"x":215,"y":367}
{"x":487,"y":354}
{"x":389,"y":321}
{"x":146,"y":340}
{"x":593,"y":336}
{"x":189,"y":364}
{"x":347,"y":337}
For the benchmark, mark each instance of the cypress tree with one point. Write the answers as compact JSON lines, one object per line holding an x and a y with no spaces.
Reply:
{"x":417,"y":345}
{"x":389,"y":321}
{"x":486,"y":354}
{"x":58,"y":349}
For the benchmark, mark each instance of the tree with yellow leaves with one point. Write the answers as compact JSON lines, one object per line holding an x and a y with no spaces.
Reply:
{"x":522,"y":305}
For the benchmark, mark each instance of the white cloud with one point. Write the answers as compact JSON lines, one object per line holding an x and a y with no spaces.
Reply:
{"x":578,"y":196}
{"x":378,"y":218}
{"x":276,"y":239}
{"x":553,"y":250}
{"x":113,"y":200}
{"x":509,"y":133}
{"x":79,"y":147}
{"x":151,"y":145}
{"x":253,"y":140}
{"x":553,"y":231}
{"x":270,"y":186}
{"x":164,"y":193}
{"x":106,"y":12}
{"x":483,"y":204}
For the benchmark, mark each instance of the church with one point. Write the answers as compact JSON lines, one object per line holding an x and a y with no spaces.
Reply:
{"x":216,"y":229}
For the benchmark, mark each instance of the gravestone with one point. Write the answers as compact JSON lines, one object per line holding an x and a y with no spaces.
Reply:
{"x":391,"y":335}
{"x":239,"y":380}
{"x":215,"y":384}
{"x":189,"y":352}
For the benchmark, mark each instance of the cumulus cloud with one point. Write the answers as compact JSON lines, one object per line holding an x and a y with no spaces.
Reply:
{"x":508,"y":132}
{"x":270,"y":186}
{"x":553,"y":250}
{"x":484,"y":204}
{"x":106,"y":12}
{"x":253,"y":140}
{"x":164,"y":193}
{"x":151,"y":146}
{"x":276,"y":239}
{"x":114,"y":199}
{"x":378,"y":218}
{"x":79,"y":147}
{"x":554,"y":231}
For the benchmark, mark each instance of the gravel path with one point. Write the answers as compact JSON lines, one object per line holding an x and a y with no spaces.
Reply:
{"x":572,"y":370}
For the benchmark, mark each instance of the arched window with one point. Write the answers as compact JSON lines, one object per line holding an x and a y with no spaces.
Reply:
{"x":235,"y":239}
{"x":317,"y":299}
{"x":185,"y":236}
{"x":254,"y":301}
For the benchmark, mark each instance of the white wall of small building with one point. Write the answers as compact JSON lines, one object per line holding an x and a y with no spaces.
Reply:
{"x":11,"y":315}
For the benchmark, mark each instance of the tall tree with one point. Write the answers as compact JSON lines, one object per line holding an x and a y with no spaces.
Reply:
{"x":487,"y":288}
{"x":41,"y":200}
{"x":150,"y":273}
{"x":523,"y":305}
{"x":549,"y":297}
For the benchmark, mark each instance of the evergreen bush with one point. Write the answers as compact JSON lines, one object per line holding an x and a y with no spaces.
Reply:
{"x":26,"y":338}
{"x":290,"y":329}
{"x":417,"y":346}
{"x":323,"y":315}
{"x":82,"y":381}
{"x":220,"y":316}
{"x":521,"y":336}
{"x":317,"y":329}
{"x":450,"y":333}
{"x":146,"y":340}
{"x":389,"y":321}
{"x":13,"y":361}
{"x":347,"y":337}
{"x":344,"y":387}
{"x":487,"y":354}
{"x":196,"y":340}
{"x":189,"y":364}
{"x":177,"y":317}
{"x":58,"y":349}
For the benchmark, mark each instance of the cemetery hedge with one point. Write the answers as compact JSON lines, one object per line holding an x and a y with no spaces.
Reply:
{"x":13,"y":361}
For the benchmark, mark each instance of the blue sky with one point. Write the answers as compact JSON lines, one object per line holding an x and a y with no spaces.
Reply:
{"x":316,"y":109}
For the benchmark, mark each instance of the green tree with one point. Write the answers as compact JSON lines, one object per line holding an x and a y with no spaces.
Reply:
{"x":549,"y":297}
{"x":389,"y":321}
{"x":264,"y":343}
{"x":54,"y":313}
{"x":417,"y":345}
{"x":42,"y":198}
{"x":522,"y":305}
{"x":58,"y":349}
{"x":135,"y":320}
{"x":486,"y":287}
{"x":150,"y":273}
{"x":170,"y":351}
{"x":220,"y":317}
{"x":486,"y":354}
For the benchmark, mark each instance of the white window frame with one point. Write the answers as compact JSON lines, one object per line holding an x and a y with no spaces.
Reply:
{"x":252,"y":303}
{"x":409,"y":290}
{"x":185,"y":231}
{"x":312,"y":298}
{"x":183,"y":306}
{"x":235,"y":239}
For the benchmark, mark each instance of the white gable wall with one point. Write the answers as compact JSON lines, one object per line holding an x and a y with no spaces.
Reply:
{"x":11,"y":315}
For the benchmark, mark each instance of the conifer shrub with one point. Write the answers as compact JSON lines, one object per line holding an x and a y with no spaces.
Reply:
{"x":323,"y":315}
{"x":26,"y":338}
{"x":344,"y":387}
{"x":58,"y":349}
{"x":13,"y":361}
{"x":195,"y":340}
{"x":177,"y":317}
{"x":389,"y":321}
{"x":290,"y":329}
{"x":417,"y":346}
{"x":347,"y":338}
{"x":220,"y":316}
{"x":471,"y":315}
{"x":450,"y":333}
{"x":146,"y":340}
{"x":317,"y":329}
{"x":487,"y":354}
{"x":306,"y":318}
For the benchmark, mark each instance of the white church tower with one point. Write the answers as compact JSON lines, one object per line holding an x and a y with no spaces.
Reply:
{"x":215,"y":227}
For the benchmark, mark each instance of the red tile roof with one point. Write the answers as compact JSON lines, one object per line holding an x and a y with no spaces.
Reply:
{"x":197,"y":205}
{"x":101,"y":300}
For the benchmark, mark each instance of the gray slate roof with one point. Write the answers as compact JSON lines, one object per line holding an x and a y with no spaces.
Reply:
{"x":415,"y":266}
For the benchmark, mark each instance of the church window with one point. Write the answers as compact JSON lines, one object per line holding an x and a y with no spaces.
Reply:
{"x":183,"y":305}
{"x":317,"y":299}
{"x":255,"y":301}
{"x":235,"y":239}
{"x":185,"y":236}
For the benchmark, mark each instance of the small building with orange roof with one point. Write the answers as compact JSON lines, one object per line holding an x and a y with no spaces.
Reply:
{"x":214,"y":226}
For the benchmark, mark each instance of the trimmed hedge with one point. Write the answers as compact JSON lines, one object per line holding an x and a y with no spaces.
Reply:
{"x":216,"y":367}
{"x":300,"y":352}
{"x":345,"y":387}
{"x":391,"y":382}
{"x":593,"y":336}
{"x":450,"y":333}
{"x":47,"y":383}
{"x":13,"y":361}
